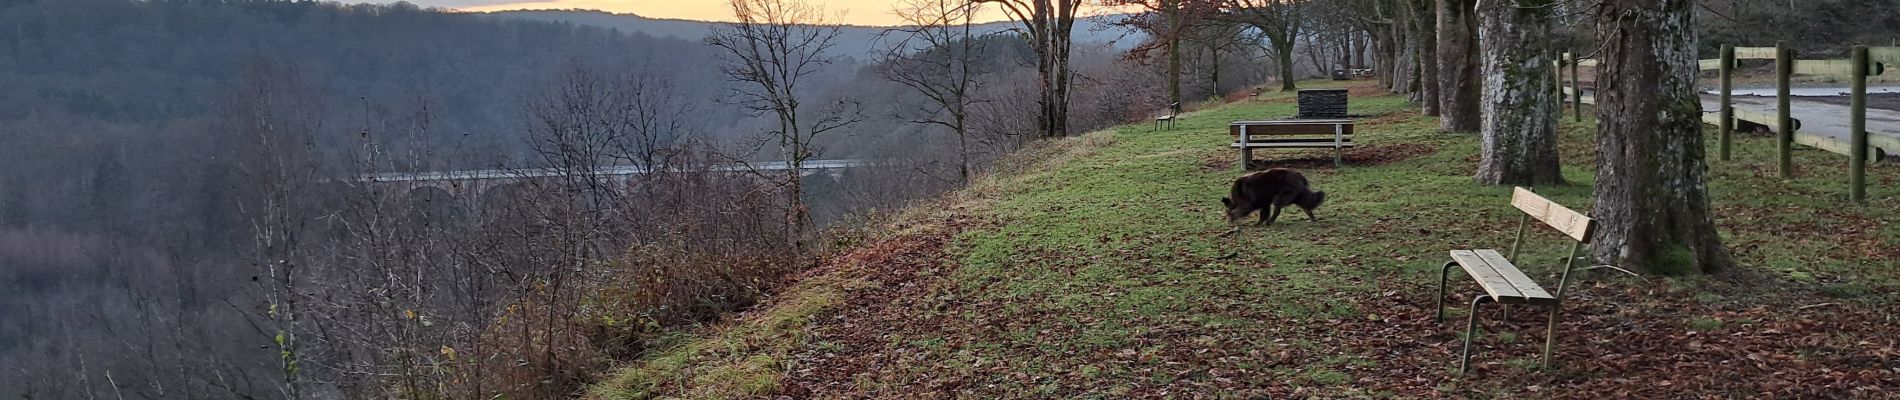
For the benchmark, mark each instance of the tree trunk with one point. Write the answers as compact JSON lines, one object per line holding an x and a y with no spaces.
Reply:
{"x":1283,"y":51}
{"x":1060,"y":117}
{"x":1045,"y":84}
{"x":1425,"y":28}
{"x":1458,"y":67}
{"x":1314,"y":49}
{"x":1519,"y":109}
{"x":1213,"y":73}
{"x":1402,"y":68}
{"x":1349,"y":50}
{"x":1652,"y":199}
{"x":1385,"y":47}
{"x":1360,"y":42}
{"x":1174,"y":55}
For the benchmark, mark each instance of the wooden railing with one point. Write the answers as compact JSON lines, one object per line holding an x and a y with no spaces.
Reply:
{"x":1863,"y":63}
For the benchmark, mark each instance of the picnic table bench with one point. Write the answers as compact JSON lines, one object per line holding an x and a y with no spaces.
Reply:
{"x":1504,"y":283}
{"x":1333,"y":134}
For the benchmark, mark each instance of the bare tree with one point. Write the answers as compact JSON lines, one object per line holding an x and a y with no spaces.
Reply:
{"x":772,"y":47}
{"x":273,"y":125}
{"x":1519,"y":124}
{"x":1048,"y":25}
{"x":1168,"y":23}
{"x":1383,"y":23}
{"x":939,"y":59}
{"x":1281,"y":21}
{"x":1652,"y":193}
{"x":1218,"y":38}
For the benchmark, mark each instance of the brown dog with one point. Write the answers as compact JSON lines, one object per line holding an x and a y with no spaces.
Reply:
{"x":1268,"y":192}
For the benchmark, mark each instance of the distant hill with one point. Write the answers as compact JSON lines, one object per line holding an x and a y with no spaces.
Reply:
{"x":860,"y":42}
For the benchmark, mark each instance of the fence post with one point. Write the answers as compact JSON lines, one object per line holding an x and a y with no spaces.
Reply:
{"x":1857,"y":130}
{"x":1784,"y":118}
{"x":1728,"y":109}
{"x":1576,"y":88}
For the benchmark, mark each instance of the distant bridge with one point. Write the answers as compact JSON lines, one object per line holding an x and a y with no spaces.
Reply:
{"x":809,"y":168}
{"x":471,"y":184}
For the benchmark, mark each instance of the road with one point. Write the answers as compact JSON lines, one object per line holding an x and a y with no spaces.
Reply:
{"x":1822,"y":124}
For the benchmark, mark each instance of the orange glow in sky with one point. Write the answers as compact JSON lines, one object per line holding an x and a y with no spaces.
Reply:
{"x":856,"y":12}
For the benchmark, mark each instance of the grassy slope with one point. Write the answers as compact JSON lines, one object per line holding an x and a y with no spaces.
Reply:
{"x":1100,"y":271}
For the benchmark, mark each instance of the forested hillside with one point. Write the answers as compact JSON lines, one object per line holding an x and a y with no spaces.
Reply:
{"x":147,"y":63}
{"x":181,"y":214}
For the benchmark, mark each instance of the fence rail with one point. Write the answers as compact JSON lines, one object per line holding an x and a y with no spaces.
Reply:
{"x":1864,"y":62}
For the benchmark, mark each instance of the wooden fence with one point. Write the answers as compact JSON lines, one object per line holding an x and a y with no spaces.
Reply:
{"x":1858,"y":147}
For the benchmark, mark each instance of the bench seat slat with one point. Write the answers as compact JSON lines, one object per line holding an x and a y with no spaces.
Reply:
{"x":1294,"y":122}
{"x":1494,"y":283}
{"x":1311,"y":145}
{"x":1327,"y":140}
{"x":1526,"y":287}
{"x":1290,"y":129}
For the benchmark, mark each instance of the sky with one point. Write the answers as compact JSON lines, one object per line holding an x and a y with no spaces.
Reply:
{"x":856,"y":12}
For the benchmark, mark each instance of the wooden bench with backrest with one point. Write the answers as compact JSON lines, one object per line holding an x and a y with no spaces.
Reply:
{"x":1333,"y":134}
{"x":1174,"y":111}
{"x":1503,"y":283}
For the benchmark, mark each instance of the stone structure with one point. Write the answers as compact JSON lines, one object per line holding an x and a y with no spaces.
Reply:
{"x":1322,"y":103}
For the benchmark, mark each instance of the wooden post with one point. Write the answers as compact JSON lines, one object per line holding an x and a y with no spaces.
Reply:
{"x":1728,"y":108}
{"x":1857,"y":130}
{"x":1558,"y":84}
{"x":1784,"y":118}
{"x":1576,"y":88}
{"x":1339,"y":142}
{"x":1246,"y":153}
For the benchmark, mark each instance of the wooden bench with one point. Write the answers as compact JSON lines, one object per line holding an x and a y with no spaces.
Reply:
{"x":1503,"y":283}
{"x":1333,"y":134}
{"x":1174,"y":110}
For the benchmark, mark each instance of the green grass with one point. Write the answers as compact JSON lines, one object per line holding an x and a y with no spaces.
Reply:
{"x":1112,"y":248}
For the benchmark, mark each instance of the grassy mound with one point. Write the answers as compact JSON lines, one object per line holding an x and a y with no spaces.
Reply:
{"x":1098,"y":268}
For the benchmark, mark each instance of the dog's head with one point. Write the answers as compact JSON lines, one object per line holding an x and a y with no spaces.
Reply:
{"x":1235,"y":210}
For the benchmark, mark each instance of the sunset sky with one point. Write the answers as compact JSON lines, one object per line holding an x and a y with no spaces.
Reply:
{"x":857,"y":12}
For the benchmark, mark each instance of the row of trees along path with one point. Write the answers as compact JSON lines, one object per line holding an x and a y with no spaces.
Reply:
{"x":1651,"y":198}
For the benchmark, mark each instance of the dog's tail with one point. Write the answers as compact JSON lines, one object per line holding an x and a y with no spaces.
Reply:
{"x":1311,"y":200}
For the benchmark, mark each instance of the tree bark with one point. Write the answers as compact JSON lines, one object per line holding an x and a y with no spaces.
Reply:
{"x":1425,"y":29}
{"x":1652,"y":196}
{"x":1173,"y":9}
{"x":1458,"y":67}
{"x":1283,"y":52}
{"x":1064,"y":25}
{"x":1519,"y":118}
{"x":1213,"y":73}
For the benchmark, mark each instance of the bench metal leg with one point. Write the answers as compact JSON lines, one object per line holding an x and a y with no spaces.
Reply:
{"x":1442,"y":276}
{"x":1246,"y":156}
{"x":1471,"y":332}
{"x":1339,"y":146}
{"x":1550,"y":336}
